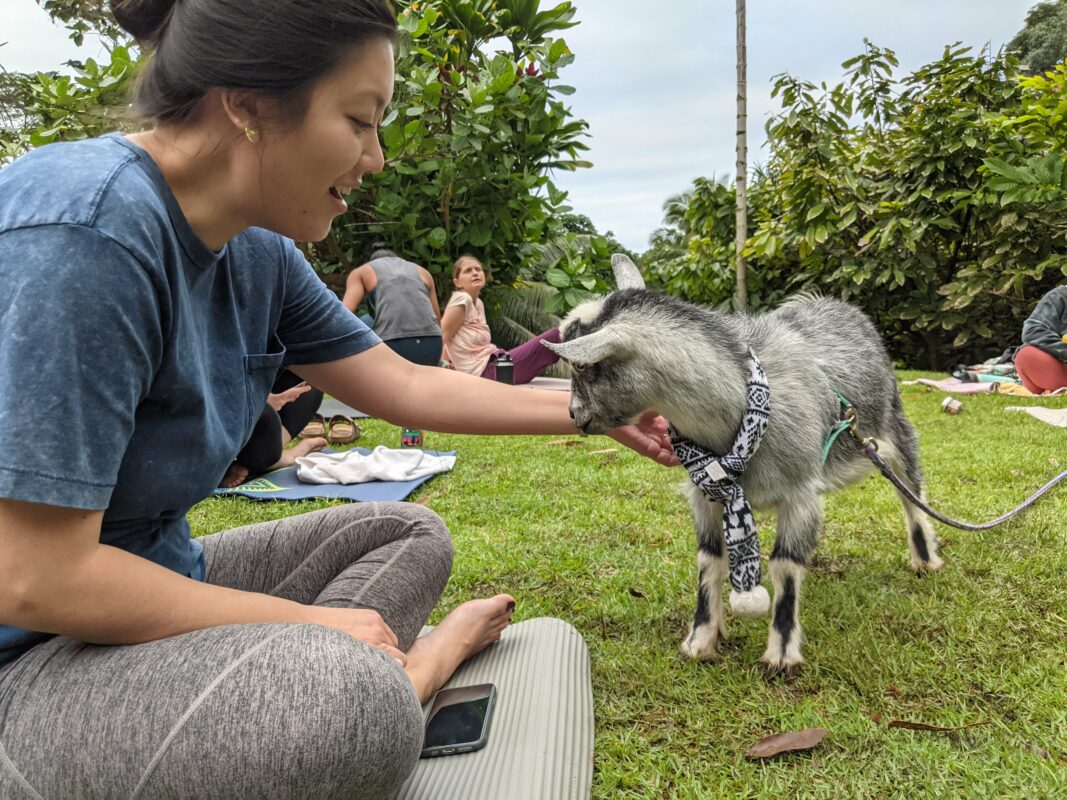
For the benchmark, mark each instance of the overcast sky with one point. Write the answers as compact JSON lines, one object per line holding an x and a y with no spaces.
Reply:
{"x":655,"y":79}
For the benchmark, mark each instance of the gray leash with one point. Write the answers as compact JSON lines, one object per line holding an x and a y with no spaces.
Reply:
{"x":870,"y":449}
{"x":850,"y":422}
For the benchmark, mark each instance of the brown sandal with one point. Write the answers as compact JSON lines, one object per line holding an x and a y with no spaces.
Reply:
{"x":316,"y":427}
{"x":343,"y":430}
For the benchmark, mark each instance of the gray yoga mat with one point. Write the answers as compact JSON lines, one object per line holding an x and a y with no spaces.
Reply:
{"x":541,"y":736}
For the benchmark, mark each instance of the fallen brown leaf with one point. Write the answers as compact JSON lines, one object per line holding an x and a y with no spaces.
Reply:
{"x":921,"y":726}
{"x":635,"y":592}
{"x":770,"y":746}
{"x":876,"y":717}
{"x":603,"y":452}
{"x":565,"y":442}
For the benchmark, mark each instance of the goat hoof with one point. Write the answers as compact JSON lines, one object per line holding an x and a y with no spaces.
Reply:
{"x":697,"y":648}
{"x":923,"y":567}
{"x":777,"y":664}
{"x":785,"y":674}
{"x":771,"y":671}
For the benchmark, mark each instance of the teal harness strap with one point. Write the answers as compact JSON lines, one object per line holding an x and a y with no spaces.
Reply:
{"x":839,"y":427}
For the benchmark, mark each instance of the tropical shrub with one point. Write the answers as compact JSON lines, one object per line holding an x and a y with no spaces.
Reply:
{"x":469,"y":142}
{"x":932,"y":201}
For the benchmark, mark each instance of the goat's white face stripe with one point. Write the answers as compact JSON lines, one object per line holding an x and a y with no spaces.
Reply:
{"x":584,"y":313}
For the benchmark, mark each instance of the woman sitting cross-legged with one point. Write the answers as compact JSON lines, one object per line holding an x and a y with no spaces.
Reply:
{"x":290,"y":405}
{"x":468,"y":341}
{"x":279,"y":659}
{"x":1042,"y":360}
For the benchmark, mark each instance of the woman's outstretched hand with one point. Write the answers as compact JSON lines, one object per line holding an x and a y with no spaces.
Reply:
{"x":648,"y":436}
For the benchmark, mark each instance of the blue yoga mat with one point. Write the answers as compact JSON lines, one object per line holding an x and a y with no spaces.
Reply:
{"x":282,"y":484}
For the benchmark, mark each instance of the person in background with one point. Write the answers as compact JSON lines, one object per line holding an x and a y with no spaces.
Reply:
{"x":406,"y":315}
{"x":1042,"y":360}
{"x":468,"y":341}
{"x":290,"y":405}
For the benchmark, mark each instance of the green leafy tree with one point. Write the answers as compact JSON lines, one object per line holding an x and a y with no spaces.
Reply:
{"x":933,"y":201}
{"x":1042,"y":43}
{"x":470,"y":142}
{"x":50,"y":106}
{"x":40,"y":108}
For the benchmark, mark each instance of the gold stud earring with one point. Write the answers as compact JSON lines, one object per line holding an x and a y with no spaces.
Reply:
{"x":252,"y":135}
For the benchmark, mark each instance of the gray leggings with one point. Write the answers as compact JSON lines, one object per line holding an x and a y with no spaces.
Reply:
{"x":268,"y":710}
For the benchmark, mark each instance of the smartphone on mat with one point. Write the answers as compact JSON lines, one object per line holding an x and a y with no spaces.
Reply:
{"x":459,"y":719}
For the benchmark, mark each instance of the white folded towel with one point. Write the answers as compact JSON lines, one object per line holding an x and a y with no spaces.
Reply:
{"x":382,"y":464}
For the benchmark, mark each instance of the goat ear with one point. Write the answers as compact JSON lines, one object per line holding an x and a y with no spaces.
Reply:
{"x":589,"y":349}
{"x":627,"y":276}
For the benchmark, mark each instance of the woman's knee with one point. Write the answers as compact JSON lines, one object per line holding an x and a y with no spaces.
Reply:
{"x":432,"y":536}
{"x":423,"y":525}
{"x":371,"y":693}
{"x":341,"y":716}
{"x":1038,"y":370}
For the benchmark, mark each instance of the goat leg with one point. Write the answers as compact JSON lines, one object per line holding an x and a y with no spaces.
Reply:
{"x":798,"y":531}
{"x":902,"y":454}
{"x":708,"y":626}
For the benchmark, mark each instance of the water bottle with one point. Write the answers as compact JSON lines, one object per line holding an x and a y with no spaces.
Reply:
{"x":505,"y":370}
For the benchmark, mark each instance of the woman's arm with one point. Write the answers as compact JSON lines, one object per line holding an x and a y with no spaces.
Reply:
{"x":431,"y":287}
{"x":384,"y":385}
{"x":451,"y":322}
{"x":56,"y":577}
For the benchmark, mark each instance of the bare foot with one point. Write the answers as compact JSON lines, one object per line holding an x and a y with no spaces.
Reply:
{"x":298,"y":450}
{"x":235,"y":476}
{"x":469,"y":629}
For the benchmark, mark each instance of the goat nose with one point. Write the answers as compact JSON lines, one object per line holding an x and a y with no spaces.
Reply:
{"x":571,"y":412}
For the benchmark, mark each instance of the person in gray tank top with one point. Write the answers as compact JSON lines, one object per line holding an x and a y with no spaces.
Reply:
{"x":406,"y":314}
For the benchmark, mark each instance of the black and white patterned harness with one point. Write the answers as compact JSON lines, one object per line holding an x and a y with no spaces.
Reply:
{"x":718,"y":476}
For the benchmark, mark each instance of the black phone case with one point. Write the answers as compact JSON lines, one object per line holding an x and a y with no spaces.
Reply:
{"x":464,"y":747}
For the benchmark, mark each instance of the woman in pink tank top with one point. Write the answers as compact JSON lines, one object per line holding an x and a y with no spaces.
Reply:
{"x":468,"y":340}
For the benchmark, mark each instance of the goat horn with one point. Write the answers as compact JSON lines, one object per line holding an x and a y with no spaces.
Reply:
{"x":589,"y":349}
{"x":627,"y":275}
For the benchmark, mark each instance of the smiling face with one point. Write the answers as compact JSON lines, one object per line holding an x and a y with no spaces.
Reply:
{"x":468,"y":276}
{"x":304,"y":171}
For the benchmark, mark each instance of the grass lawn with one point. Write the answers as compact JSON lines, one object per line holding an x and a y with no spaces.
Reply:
{"x":604,"y":540}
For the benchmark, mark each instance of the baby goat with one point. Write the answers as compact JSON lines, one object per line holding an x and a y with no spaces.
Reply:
{"x":636,"y":349}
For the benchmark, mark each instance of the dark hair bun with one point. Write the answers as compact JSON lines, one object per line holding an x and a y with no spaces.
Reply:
{"x":143,"y":19}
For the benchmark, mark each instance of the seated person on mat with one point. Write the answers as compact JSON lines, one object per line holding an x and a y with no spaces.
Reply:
{"x":1042,"y":360}
{"x":280,"y":658}
{"x":290,"y":406}
{"x":468,"y":341}
{"x":406,"y":315}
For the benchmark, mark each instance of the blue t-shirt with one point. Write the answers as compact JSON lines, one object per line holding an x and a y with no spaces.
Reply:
{"x":134,"y":360}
